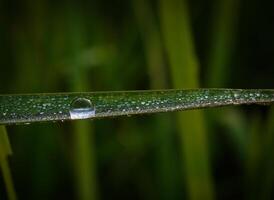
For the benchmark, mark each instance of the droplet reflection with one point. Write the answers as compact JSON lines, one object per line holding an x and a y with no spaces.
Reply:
{"x":81,"y":108}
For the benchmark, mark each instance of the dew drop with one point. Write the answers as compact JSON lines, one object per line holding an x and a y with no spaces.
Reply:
{"x":81,"y":108}
{"x":236,"y":94}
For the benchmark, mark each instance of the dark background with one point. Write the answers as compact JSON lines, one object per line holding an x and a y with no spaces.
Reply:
{"x":68,"y":46}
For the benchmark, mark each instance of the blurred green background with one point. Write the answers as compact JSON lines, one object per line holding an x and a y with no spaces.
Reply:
{"x":68,"y":46}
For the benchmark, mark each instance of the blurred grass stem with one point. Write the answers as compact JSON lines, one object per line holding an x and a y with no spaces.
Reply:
{"x":185,"y":74}
{"x":5,"y":151}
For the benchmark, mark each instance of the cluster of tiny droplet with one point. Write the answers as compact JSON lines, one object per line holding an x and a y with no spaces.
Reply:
{"x":50,"y":107}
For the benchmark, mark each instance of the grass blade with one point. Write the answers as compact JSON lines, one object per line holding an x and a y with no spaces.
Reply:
{"x":5,"y":151}
{"x":83,"y":131}
{"x":184,"y":68}
{"x":222,"y":42}
{"x":16,"y":109}
{"x":165,"y":154}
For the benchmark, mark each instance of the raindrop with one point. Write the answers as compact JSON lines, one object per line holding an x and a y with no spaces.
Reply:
{"x":81,"y":108}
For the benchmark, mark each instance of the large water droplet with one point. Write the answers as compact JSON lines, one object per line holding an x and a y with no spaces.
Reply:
{"x":81,"y":108}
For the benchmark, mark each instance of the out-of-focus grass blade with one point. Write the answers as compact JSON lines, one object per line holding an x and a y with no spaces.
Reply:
{"x":5,"y":151}
{"x":222,"y":41}
{"x":184,"y":68}
{"x":16,"y":109}
{"x":260,"y":162}
{"x":165,"y":155}
{"x":5,"y":148}
{"x":83,"y":132}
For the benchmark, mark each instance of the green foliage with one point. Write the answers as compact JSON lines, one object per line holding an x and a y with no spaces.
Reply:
{"x":82,"y":46}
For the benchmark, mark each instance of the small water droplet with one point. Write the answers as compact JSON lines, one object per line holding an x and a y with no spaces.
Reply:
{"x":236,"y":94}
{"x":81,"y":108}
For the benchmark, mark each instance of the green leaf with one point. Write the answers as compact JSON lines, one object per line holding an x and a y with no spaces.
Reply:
{"x":17,"y":109}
